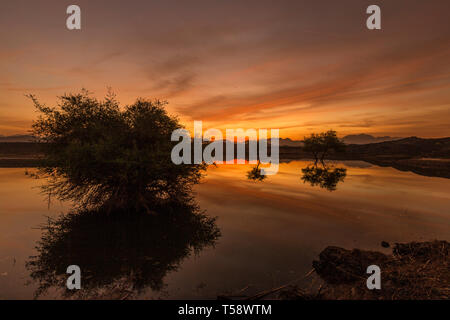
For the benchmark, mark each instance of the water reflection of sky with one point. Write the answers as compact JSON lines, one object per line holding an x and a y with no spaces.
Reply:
{"x":271,"y":230}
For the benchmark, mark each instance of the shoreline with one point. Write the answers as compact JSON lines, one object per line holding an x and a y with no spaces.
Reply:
{"x":413,"y":271}
{"x":424,"y":167}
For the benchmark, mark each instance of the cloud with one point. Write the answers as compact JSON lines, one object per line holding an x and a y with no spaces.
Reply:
{"x":291,"y":64}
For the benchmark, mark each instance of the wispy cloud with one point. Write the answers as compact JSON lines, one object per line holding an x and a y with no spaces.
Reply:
{"x":291,"y":64}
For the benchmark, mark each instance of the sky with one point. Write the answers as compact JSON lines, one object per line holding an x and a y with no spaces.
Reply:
{"x":298,"y":66}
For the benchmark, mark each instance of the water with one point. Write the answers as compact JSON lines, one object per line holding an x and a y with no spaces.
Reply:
{"x":271,"y":231}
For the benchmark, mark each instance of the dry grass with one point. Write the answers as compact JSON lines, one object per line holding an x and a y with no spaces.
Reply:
{"x":415,"y":271}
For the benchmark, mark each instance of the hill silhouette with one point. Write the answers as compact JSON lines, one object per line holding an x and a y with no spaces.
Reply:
{"x":411,"y":147}
{"x":17,"y":138}
{"x":366,"y":138}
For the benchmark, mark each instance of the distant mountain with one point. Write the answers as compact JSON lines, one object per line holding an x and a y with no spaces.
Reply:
{"x":411,"y":147}
{"x":406,"y":148}
{"x":283,"y":142}
{"x":366,"y":138}
{"x":17,"y":138}
{"x":349,"y":139}
{"x":290,"y":143}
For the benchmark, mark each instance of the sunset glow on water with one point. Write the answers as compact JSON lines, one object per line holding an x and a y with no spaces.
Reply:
{"x":271,"y":230}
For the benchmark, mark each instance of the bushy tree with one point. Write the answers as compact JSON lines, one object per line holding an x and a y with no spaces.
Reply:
{"x":322,"y":143}
{"x":98,"y":154}
{"x":255,"y":173}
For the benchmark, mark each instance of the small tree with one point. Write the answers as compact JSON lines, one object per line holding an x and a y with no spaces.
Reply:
{"x":98,"y":154}
{"x":255,"y":174}
{"x":321,"y":144}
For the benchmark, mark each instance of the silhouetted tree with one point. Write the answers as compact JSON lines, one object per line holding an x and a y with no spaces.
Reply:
{"x":321,"y":144}
{"x":255,"y":173}
{"x":98,"y":154}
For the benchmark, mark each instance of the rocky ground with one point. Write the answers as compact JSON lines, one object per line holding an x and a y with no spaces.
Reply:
{"x":414,"y":271}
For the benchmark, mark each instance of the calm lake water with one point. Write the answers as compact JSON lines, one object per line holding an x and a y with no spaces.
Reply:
{"x":271,"y":231}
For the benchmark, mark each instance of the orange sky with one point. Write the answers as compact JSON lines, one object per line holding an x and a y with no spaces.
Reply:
{"x":300,"y":66}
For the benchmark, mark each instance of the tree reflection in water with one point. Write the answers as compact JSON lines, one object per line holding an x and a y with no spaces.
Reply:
{"x":119,"y":252}
{"x":256,"y":174}
{"x":324,"y":176}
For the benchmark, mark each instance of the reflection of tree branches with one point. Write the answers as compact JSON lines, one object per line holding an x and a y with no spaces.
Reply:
{"x":325,"y":177}
{"x":119,"y":251}
{"x":255,"y":173}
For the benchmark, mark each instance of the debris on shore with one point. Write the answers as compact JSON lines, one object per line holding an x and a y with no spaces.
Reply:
{"x":414,"y":271}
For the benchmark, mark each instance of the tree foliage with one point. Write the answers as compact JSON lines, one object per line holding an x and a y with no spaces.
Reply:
{"x":255,"y":173}
{"x":320,"y":144}
{"x":99,"y":154}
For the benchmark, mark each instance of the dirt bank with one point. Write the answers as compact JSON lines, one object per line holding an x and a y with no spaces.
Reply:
{"x":416,"y":270}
